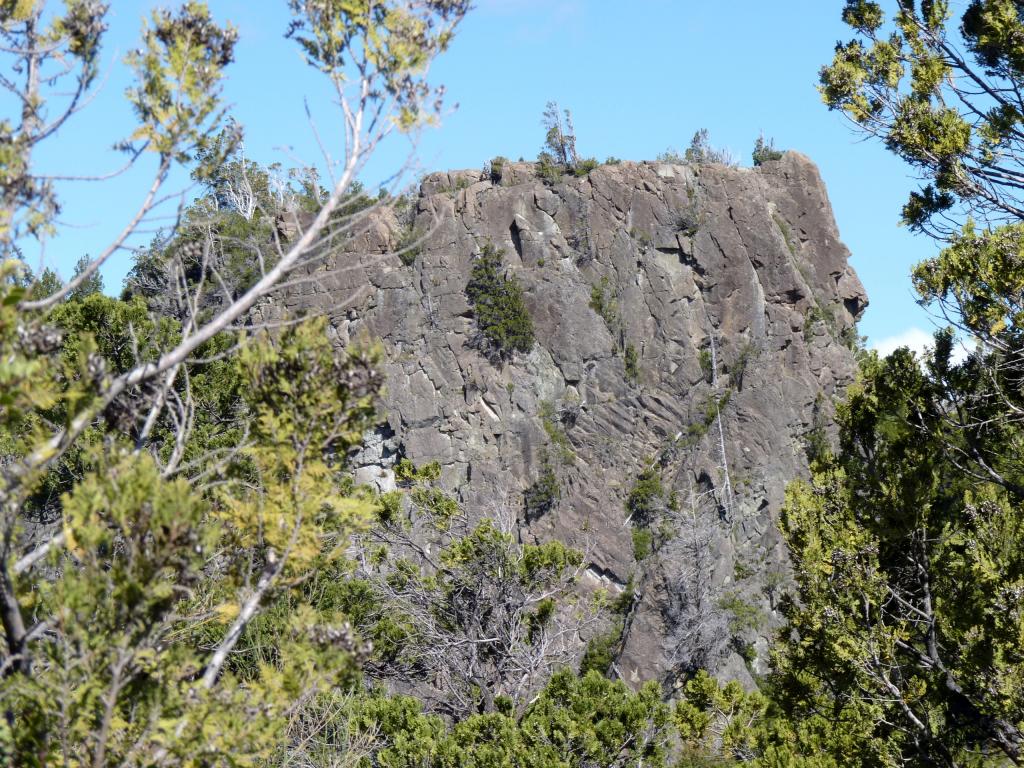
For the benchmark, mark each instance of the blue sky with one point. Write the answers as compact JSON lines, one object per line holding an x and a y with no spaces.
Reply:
{"x":639,"y":77}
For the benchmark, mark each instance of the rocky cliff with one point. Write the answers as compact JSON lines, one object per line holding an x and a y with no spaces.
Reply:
{"x":693,"y":324}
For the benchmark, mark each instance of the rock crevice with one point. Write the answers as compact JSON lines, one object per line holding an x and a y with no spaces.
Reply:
{"x":742,"y":265}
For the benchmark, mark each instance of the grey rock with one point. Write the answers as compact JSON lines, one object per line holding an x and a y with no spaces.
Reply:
{"x":748,"y":260}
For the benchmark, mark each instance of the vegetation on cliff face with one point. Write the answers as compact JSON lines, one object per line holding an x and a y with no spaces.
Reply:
{"x":503,"y":321}
{"x":189,"y":575}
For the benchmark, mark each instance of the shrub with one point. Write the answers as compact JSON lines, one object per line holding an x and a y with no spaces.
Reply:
{"x":701,"y":150}
{"x":552,"y":424}
{"x":549,"y":170}
{"x":744,"y":616}
{"x":543,"y":495}
{"x":643,"y":543}
{"x":583,"y":167}
{"x":642,"y":238}
{"x":786,"y":234}
{"x":497,"y":164}
{"x":816,"y":443}
{"x":645,"y":497}
{"x":671,"y":156}
{"x":632,"y":362}
{"x":503,"y":321}
{"x":602,"y":301}
{"x":739,"y":366}
{"x":410,"y":245}
{"x":706,"y":364}
{"x":710,"y":409}
{"x":560,"y":139}
{"x":764,"y":153}
{"x":601,"y":650}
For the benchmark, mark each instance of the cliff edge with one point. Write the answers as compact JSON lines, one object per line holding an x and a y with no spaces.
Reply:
{"x":693,"y":324}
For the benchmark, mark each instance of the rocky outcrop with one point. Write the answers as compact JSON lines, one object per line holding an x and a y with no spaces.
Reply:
{"x":692,"y":318}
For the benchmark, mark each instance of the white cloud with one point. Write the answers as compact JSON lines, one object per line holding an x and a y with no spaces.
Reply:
{"x":920,"y":342}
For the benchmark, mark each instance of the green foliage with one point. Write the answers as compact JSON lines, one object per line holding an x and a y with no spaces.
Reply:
{"x":824,"y":315}
{"x":602,"y":301}
{"x":645,"y":497}
{"x":902,"y":560}
{"x":549,"y":170}
{"x":393,"y":40}
{"x":558,"y":157}
{"x":738,"y":367}
{"x":575,"y":722}
{"x":706,"y":362}
{"x":179,"y":68}
{"x":742,"y":570}
{"x":133,"y":610}
{"x":716,"y":719}
{"x":588,"y":720}
{"x":241,"y":212}
{"x":945,"y":115}
{"x":765,"y":152}
{"x":46,"y":284}
{"x":503,"y":321}
{"x":894,"y":541}
{"x":701,"y":151}
{"x":744,"y":617}
{"x":816,"y":442}
{"x":783,"y":226}
{"x":585,"y":166}
{"x":410,"y":245}
{"x":711,"y":407}
{"x":472,"y":617}
{"x":92,"y":284}
{"x":560,"y":138}
{"x":643,"y":543}
{"x":980,"y":278}
{"x":642,"y":237}
{"x":496,"y":166}
{"x":556,"y":432}
{"x":605,"y":304}
{"x":602,"y":649}
{"x":542,"y":496}
{"x":174,"y":515}
{"x":631,"y":360}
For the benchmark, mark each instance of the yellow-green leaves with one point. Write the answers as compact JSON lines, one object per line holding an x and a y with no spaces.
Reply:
{"x":179,"y":68}
{"x":389,"y":44}
{"x":906,"y":81}
{"x":82,"y":27}
{"x":924,"y":133}
{"x":18,"y":10}
{"x":981,"y":277}
{"x":305,"y":393}
{"x":993,"y":29}
{"x":712,"y":717}
{"x":908,"y":563}
{"x":66,"y":47}
{"x":863,"y":16}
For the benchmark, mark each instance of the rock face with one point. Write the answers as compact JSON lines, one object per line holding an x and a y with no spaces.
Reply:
{"x":693,"y":319}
